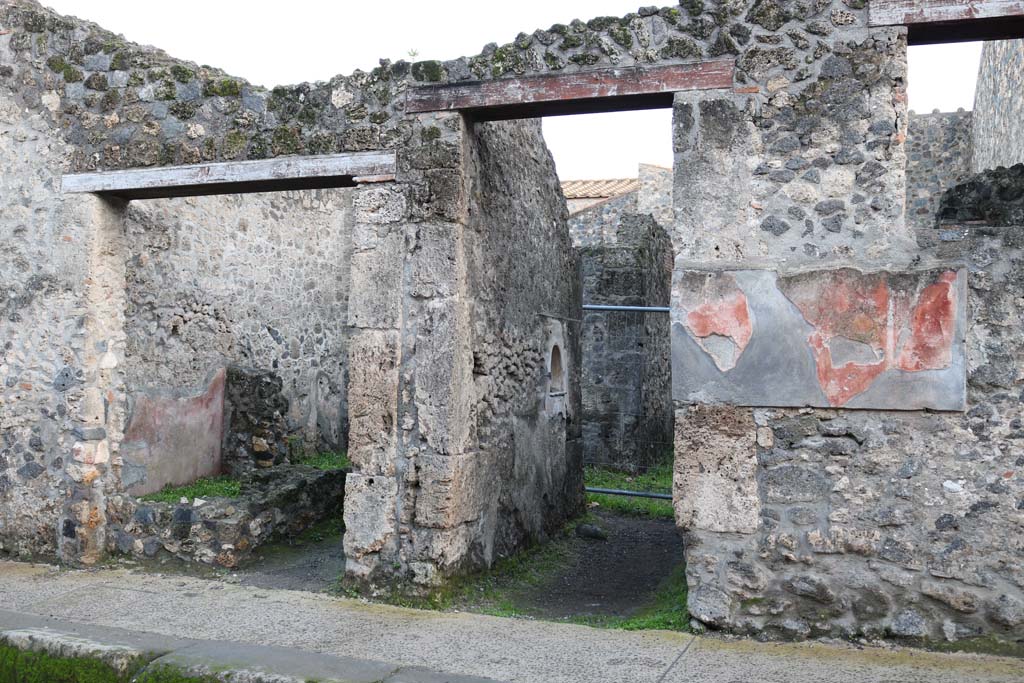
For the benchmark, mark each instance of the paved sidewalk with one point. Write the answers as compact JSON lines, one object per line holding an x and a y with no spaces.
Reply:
{"x":514,"y":650}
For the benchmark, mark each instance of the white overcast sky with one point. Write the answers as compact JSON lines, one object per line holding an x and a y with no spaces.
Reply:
{"x":277,"y":42}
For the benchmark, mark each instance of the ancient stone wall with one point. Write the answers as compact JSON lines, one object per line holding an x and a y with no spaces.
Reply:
{"x":523,"y":286}
{"x":788,"y":186}
{"x":42,"y":374}
{"x":998,"y":107}
{"x":939,"y":148}
{"x":790,"y":234}
{"x":655,"y":194}
{"x":899,"y":524}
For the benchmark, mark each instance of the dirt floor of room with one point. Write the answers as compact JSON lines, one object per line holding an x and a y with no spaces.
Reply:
{"x":634,"y":578}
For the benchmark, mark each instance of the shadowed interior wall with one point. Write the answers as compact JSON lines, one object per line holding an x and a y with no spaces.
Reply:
{"x":524,"y":293}
{"x":258,"y":281}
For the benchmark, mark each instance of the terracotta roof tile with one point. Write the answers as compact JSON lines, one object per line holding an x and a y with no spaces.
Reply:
{"x":586,"y":189}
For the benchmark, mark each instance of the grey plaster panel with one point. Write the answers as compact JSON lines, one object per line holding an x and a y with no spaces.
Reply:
{"x":778,"y":368}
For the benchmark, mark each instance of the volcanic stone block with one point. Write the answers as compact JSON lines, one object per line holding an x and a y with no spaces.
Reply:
{"x":714,"y":483}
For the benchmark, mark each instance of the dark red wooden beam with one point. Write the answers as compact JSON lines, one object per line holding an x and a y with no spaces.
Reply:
{"x":575,"y":93}
{"x":951,"y":21}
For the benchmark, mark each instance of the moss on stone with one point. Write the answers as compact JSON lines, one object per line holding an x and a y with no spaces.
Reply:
{"x":111,"y":45}
{"x":308,"y":115}
{"x":693,"y":7}
{"x":33,"y":22}
{"x":769,"y":14}
{"x":430,"y":71}
{"x":430,"y":133}
{"x":357,"y":112}
{"x":506,"y":59}
{"x":97,"y":81}
{"x":752,"y":602}
{"x":111,"y":99}
{"x":136,"y":79}
{"x":209,"y":151}
{"x":19,"y":666}
{"x":286,"y":140}
{"x":559,"y":29}
{"x":379,"y":117}
{"x":572,"y":41}
{"x":120,"y":61}
{"x":320,"y":143}
{"x":621,"y":35}
{"x":258,"y":147}
{"x":182,"y":74}
{"x":57,"y":64}
{"x":183,"y":110}
{"x":166,"y":90}
{"x":671,"y":14}
{"x":585,"y":59}
{"x":553,"y":60}
{"x":222,"y":87}
{"x":383,"y":94}
{"x":602,"y":23}
{"x":681,"y":48}
{"x":234,"y":144}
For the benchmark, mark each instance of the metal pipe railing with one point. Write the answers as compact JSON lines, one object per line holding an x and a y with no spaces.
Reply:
{"x":639,"y":309}
{"x":620,"y":492}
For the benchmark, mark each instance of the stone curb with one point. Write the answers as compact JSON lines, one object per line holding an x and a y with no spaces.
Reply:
{"x":128,"y":652}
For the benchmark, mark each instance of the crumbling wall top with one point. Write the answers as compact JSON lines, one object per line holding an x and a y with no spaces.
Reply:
{"x":122,"y":105}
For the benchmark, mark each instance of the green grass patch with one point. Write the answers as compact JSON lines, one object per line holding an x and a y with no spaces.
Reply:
{"x":207,"y":487}
{"x":326,"y":461}
{"x":165,"y":673}
{"x":657,"y":479}
{"x":20,"y":666}
{"x":667,"y":612}
{"x":332,"y":527}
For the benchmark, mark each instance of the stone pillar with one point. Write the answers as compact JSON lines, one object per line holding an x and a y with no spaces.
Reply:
{"x":92,"y":466}
{"x":408,"y":353}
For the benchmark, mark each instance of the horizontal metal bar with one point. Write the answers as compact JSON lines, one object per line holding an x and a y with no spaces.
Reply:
{"x":235,"y":177}
{"x":636,"y":494}
{"x":640,"y":309}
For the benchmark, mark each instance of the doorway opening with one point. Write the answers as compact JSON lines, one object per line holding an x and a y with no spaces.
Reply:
{"x":624,"y":559}
{"x":236,"y":372}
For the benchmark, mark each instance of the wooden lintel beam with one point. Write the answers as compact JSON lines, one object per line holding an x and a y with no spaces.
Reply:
{"x":235,"y":177}
{"x":949,"y":21}
{"x":574,"y":93}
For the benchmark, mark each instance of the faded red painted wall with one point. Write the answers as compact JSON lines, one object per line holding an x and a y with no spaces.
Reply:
{"x":173,"y":441}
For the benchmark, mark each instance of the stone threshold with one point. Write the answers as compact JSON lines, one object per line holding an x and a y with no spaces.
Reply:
{"x":122,"y":656}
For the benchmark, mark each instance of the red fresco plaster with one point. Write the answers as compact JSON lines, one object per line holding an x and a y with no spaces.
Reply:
{"x":864,"y":308}
{"x":178,"y":440}
{"x":932,"y":325}
{"x":728,"y":317}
